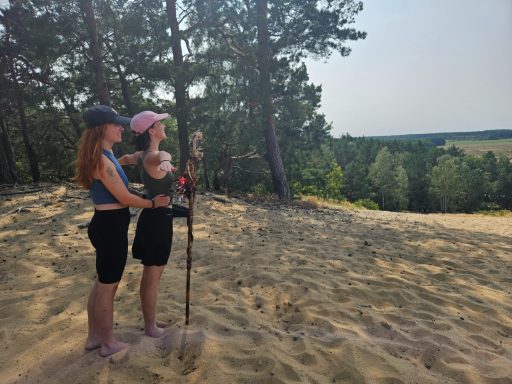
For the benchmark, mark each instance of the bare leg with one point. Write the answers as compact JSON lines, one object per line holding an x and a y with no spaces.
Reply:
{"x":149,"y":286}
{"x":93,"y":340}
{"x":104,"y":318}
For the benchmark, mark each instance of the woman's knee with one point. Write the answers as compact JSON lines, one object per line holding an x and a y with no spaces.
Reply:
{"x":106,"y":288}
{"x":153,"y":273}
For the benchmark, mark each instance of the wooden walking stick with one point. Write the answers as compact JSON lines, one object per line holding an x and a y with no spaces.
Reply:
{"x":187,"y":186}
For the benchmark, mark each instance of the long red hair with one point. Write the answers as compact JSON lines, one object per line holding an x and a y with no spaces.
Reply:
{"x":89,"y":155}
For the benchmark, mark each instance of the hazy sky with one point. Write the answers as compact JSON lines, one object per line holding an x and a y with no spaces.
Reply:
{"x":425,"y":66}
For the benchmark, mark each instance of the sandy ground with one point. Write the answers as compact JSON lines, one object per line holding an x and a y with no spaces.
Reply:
{"x":279,"y":295}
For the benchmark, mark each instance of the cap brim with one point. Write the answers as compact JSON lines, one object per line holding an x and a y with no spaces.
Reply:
{"x":122,"y":120}
{"x":161,"y":116}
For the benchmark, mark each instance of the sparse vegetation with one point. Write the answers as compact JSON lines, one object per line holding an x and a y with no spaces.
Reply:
{"x":480,"y":147}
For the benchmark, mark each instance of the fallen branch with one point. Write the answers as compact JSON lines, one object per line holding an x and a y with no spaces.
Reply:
{"x":20,"y":209}
{"x":221,"y":199}
{"x":20,"y":192}
{"x":67,"y":198}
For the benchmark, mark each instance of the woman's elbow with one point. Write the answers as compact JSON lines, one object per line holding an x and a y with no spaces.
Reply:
{"x":125,"y":199}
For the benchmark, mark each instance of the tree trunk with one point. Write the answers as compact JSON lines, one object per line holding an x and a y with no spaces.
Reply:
{"x":125,"y":90}
{"x":180,"y":89}
{"x":99,"y":76}
{"x":279,"y":179}
{"x":7,"y":164}
{"x":31,"y":154}
{"x":444,"y":204}
{"x":72,"y":113}
{"x":205,"y":172}
{"x":216,"y":181}
{"x":124,"y":87}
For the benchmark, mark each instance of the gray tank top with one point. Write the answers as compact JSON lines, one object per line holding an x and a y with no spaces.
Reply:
{"x":154,"y":186}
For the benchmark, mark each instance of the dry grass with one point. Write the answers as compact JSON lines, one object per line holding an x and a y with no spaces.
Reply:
{"x":480,"y":147}
{"x":314,"y":202}
{"x":303,"y":201}
{"x":498,"y":213}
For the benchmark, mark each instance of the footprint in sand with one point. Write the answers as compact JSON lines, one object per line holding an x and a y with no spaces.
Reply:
{"x":186,"y":345}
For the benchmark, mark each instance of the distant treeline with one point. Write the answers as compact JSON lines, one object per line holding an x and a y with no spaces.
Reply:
{"x":419,"y":176}
{"x":441,"y":138}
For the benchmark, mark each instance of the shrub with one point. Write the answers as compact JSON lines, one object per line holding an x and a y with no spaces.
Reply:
{"x":367,"y":203}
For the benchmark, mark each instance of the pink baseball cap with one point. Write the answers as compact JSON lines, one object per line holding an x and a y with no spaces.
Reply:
{"x":143,"y":120}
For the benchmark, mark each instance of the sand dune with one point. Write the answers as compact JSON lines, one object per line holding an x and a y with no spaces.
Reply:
{"x":279,"y":295}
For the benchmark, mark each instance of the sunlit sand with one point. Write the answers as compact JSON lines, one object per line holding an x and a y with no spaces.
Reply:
{"x":279,"y":294}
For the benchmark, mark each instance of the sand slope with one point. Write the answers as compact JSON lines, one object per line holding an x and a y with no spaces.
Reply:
{"x":279,"y":295}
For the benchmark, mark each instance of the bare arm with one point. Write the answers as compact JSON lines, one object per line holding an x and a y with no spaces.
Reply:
{"x":154,"y":158}
{"x":129,"y":159}
{"x":112,"y":181}
{"x":162,"y":160}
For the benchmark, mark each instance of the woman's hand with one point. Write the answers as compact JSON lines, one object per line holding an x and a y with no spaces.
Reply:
{"x":161,"y":201}
{"x":166,"y":166}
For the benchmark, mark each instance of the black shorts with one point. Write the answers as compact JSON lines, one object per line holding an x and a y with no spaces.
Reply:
{"x":108,"y":232}
{"x":153,"y":237}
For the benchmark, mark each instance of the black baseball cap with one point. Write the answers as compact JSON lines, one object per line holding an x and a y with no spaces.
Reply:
{"x":103,"y":114}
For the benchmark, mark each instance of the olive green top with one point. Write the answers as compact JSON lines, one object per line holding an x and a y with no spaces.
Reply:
{"x":154,"y":186}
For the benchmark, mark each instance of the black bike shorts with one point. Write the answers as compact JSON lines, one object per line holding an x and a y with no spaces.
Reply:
{"x":108,"y":232}
{"x":153,"y":237}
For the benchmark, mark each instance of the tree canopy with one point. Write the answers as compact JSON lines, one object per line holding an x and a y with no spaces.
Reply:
{"x":234,"y":69}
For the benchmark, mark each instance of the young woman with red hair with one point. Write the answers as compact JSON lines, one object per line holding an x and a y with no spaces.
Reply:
{"x":99,"y":171}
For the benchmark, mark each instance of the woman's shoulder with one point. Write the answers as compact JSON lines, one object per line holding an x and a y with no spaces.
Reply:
{"x":107,"y":162}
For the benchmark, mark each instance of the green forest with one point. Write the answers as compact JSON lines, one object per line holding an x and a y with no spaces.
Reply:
{"x":440,"y":138}
{"x":233,"y":69}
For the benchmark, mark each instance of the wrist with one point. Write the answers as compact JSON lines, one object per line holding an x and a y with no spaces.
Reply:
{"x":152,"y":204}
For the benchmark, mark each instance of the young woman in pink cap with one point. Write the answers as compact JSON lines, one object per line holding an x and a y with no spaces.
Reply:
{"x":153,"y":237}
{"x":98,"y":171}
